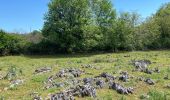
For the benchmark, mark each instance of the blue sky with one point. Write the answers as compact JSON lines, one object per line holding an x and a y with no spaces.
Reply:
{"x":26,"y":15}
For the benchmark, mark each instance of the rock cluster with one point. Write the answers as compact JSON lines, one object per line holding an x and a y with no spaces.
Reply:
{"x":72,"y":71}
{"x":149,"y":81}
{"x":65,"y":73}
{"x":107,"y":76}
{"x":79,"y":90}
{"x":65,"y":95}
{"x":120,"y":89}
{"x":124,"y":77}
{"x":97,"y":82}
{"x":141,"y":64}
{"x":50,"y":83}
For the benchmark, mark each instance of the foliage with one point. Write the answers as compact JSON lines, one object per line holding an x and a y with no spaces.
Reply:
{"x":11,"y":43}
{"x":90,"y":26}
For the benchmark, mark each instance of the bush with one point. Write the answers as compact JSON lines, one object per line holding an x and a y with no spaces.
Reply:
{"x":11,"y":43}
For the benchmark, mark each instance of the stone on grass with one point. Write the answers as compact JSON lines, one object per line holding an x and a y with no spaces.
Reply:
{"x":149,"y":81}
{"x":148,"y":71}
{"x":65,"y":95}
{"x":107,"y":76}
{"x":141,"y":64}
{"x":16,"y":82}
{"x":157,"y":70}
{"x":124,"y":77}
{"x":100,"y":83}
{"x":79,"y":90}
{"x":120,"y":89}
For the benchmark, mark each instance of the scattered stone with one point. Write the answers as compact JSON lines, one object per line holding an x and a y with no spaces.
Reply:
{"x":120,"y":89}
{"x":43,"y":70}
{"x":124,"y":77}
{"x":100,"y":83}
{"x":66,"y":95}
{"x":141,"y":78}
{"x":74,"y":72}
{"x":157,"y":70}
{"x":16,"y":82}
{"x":79,"y":90}
{"x":88,"y":80}
{"x":107,"y":76}
{"x":148,"y":71}
{"x":149,"y":81}
{"x":141,"y":64}
{"x":85,"y":90}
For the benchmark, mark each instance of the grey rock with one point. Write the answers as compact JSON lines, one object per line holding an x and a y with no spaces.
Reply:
{"x":107,"y":76}
{"x":149,"y":81}
{"x":124,"y":77}
{"x":120,"y":89}
{"x":65,"y":95}
{"x":157,"y":70}
{"x":148,"y":71}
{"x":16,"y":82}
{"x":141,"y":64}
{"x":79,"y":90}
{"x":100,"y":83}
{"x":88,"y":80}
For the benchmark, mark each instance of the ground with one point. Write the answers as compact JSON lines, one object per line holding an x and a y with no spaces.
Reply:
{"x":112,"y":63}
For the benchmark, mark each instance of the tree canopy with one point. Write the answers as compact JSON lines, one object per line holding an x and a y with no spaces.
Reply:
{"x":89,"y":26}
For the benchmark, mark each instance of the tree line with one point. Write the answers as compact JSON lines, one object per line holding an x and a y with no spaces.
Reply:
{"x":89,"y":26}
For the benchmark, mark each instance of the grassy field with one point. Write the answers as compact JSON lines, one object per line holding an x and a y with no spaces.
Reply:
{"x":112,"y":63}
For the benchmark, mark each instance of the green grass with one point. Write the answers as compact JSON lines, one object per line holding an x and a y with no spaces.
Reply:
{"x":113,"y":63}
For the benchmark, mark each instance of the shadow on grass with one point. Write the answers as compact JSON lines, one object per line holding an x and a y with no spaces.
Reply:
{"x":76,"y":55}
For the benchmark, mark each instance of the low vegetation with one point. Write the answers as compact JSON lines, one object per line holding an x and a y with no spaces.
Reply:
{"x":30,"y":76}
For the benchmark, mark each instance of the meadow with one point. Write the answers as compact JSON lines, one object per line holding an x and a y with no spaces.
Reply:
{"x":112,"y":63}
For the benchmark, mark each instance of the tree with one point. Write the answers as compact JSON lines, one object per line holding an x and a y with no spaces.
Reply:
{"x":147,"y":35}
{"x":163,"y":19}
{"x":11,"y":43}
{"x":64,"y":23}
{"x":104,"y":17}
{"x":125,"y":31}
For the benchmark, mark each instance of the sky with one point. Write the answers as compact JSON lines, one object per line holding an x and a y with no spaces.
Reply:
{"x":27,"y":15}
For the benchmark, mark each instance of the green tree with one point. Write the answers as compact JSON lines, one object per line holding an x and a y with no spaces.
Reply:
{"x":125,"y":30}
{"x":163,"y":19}
{"x":104,"y":17}
{"x":147,"y":35}
{"x":11,"y":43}
{"x":64,"y":23}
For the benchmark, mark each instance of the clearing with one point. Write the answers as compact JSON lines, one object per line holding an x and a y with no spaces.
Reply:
{"x":25,"y":76}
